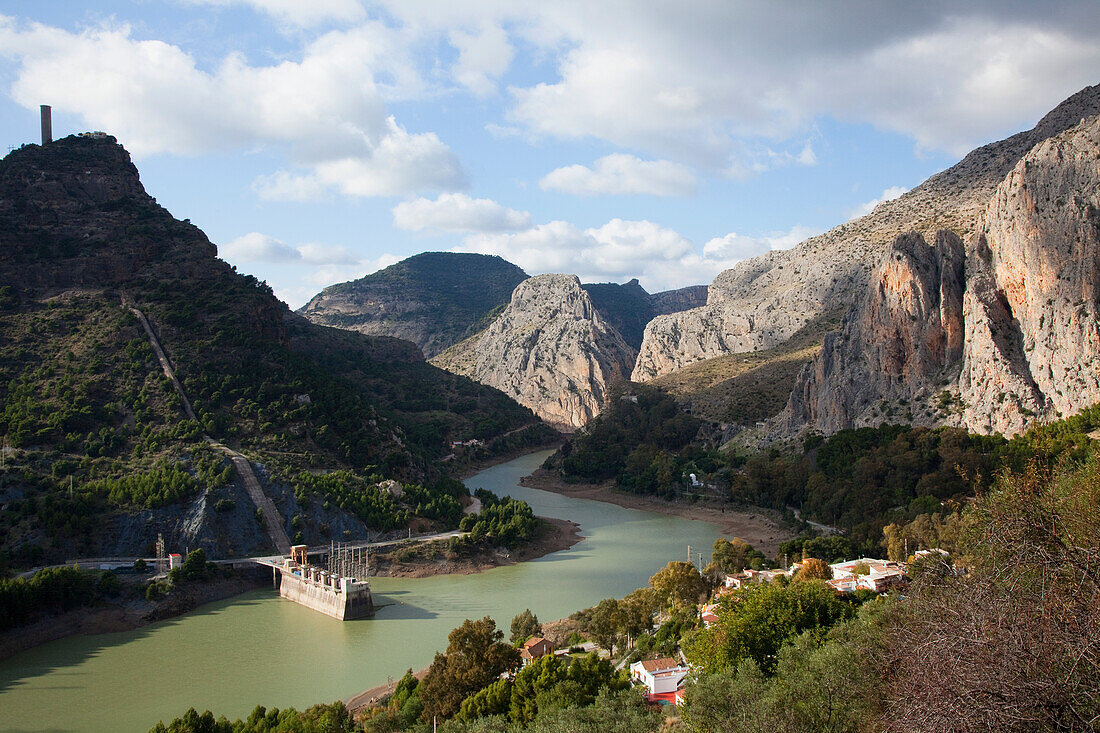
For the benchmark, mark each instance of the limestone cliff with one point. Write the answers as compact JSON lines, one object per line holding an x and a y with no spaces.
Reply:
{"x":550,"y":350}
{"x":907,"y":330}
{"x":763,"y":301}
{"x":991,"y":339}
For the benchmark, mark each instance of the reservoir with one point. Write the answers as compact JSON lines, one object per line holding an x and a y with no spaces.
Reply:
{"x":258,"y":649}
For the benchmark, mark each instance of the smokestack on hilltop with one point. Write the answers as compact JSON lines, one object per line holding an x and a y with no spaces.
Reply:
{"x":47,"y":124}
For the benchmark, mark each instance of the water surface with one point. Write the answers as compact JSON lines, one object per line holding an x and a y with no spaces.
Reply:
{"x":257,"y":648}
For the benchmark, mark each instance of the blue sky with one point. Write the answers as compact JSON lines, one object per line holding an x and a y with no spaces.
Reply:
{"x":317,"y":141}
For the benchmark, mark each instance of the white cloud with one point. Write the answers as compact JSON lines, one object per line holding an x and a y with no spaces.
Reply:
{"x":257,"y":247}
{"x":692,"y":84}
{"x":285,"y":186}
{"x":661,"y":258}
{"x":867,"y":207}
{"x":299,"y":13}
{"x":326,"y":109}
{"x":322,"y":254}
{"x":620,"y":173}
{"x":457,"y":212}
{"x":733,"y":247}
{"x":483,"y":56}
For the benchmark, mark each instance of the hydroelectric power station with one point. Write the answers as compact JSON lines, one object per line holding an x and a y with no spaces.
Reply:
{"x":340,"y":590}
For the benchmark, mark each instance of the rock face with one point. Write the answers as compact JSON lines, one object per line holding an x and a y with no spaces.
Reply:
{"x":682,"y":299}
{"x":763,"y":301}
{"x":905,"y":333}
{"x":989,"y":339}
{"x":550,"y":350}
{"x":434,"y":299}
{"x":628,"y":307}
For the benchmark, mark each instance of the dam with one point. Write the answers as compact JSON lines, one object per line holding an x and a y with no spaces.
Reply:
{"x":341,"y":590}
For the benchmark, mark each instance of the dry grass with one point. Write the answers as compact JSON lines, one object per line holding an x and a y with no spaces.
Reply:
{"x":752,"y":386}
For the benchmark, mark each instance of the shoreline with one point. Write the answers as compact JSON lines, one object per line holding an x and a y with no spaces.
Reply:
{"x":759,"y":527}
{"x":125,"y":614}
{"x":554,"y":535}
{"x":467,"y":470}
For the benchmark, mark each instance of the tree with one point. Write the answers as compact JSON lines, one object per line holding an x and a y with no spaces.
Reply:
{"x":755,"y":622}
{"x":613,"y":712}
{"x":1012,"y":644}
{"x":678,"y":584}
{"x":733,"y":556}
{"x":814,"y":569}
{"x":476,"y":656}
{"x":606,"y":623}
{"x":638,"y":608}
{"x":524,"y":626}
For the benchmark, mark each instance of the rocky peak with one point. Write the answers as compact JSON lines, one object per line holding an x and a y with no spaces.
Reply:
{"x":434,"y":299}
{"x":991,"y":338}
{"x":906,"y":331}
{"x":75,"y":214}
{"x":550,"y":350}
{"x":763,"y":301}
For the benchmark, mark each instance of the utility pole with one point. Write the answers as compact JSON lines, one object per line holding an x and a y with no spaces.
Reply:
{"x":689,"y":554}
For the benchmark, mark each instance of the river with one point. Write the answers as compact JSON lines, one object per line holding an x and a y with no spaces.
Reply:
{"x":258,"y":649}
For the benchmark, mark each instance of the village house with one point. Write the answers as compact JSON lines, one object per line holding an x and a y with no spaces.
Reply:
{"x":747,"y":577}
{"x":534,"y":648}
{"x":881,"y":575}
{"x":663,"y":679}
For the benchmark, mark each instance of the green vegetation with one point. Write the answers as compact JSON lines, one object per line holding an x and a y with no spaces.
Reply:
{"x":547,"y":682}
{"x":84,"y":402}
{"x":524,"y":625}
{"x":333,"y":718}
{"x":505,"y":522}
{"x":48,"y":591}
{"x":476,"y":656}
{"x":635,"y":440}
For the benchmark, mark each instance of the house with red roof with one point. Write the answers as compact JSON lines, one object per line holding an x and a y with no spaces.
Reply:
{"x":534,"y":648}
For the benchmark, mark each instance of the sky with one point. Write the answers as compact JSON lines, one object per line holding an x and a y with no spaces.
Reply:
{"x":317,"y":141}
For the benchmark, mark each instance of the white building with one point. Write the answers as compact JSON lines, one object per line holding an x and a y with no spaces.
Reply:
{"x":664,"y":675}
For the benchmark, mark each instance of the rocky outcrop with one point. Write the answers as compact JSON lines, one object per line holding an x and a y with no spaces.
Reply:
{"x":894,"y":345}
{"x":990,"y":340}
{"x":434,"y":299}
{"x":62,"y":208}
{"x":550,"y":350}
{"x":681,"y":299}
{"x":1033,"y":305}
{"x":763,"y":301}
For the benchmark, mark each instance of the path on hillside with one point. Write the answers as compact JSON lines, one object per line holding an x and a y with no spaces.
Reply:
{"x":273,"y":521}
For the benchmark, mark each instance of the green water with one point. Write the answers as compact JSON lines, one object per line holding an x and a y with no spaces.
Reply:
{"x":259,"y":649}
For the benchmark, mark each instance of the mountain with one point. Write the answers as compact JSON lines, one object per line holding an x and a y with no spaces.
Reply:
{"x":989,"y":334}
{"x":550,"y":349}
{"x":434,"y":299}
{"x":764,"y":301}
{"x":628,"y":307}
{"x":100,"y":449}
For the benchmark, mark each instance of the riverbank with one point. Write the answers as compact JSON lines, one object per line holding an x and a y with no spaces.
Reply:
{"x":761,"y":528}
{"x":465,"y":470}
{"x":427,"y":559}
{"x":125,"y":614}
